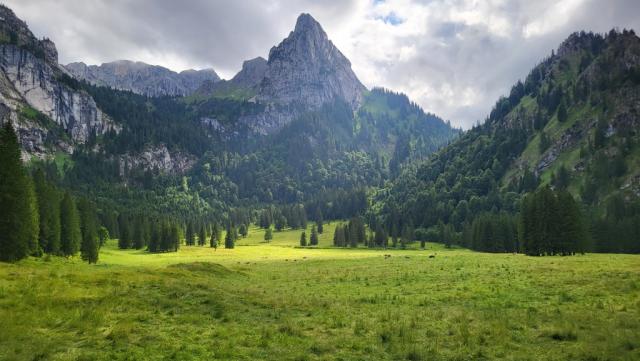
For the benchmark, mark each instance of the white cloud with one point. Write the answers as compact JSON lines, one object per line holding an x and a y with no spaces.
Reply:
{"x":454,"y":57}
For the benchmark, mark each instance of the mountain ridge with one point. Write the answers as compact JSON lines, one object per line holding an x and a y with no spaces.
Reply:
{"x":142,"y":78}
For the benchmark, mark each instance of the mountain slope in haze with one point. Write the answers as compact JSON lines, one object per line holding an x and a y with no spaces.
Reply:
{"x":572,"y":124}
{"x":142,"y":78}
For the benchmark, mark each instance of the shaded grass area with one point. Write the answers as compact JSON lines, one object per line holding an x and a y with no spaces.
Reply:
{"x":278,"y":302}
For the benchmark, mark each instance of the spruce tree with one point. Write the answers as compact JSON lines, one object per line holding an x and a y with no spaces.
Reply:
{"x":303,"y":239}
{"x":313,"y":240}
{"x":337,"y":234}
{"x":49,"y":213}
{"x":124,"y":227}
{"x":229,"y":240}
{"x":190,"y":235}
{"x":214,"y":239}
{"x":70,"y":235}
{"x":202,"y":236}
{"x":19,"y":223}
{"x":268,"y":235}
{"x":89,"y":246}
{"x":138,"y":241}
{"x":175,"y":237}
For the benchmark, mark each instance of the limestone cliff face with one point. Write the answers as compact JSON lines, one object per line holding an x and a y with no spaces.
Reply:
{"x":306,"y":68}
{"x":32,"y":93}
{"x":141,"y":78}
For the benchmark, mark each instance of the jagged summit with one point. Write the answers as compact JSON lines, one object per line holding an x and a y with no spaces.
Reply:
{"x":305,"y":22}
{"x":306,"y":68}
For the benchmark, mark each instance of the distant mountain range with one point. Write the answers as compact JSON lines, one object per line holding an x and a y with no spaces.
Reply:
{"x":141,"y":78}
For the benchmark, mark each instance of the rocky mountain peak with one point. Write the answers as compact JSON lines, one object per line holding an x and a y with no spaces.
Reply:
{"x":307,"y":69}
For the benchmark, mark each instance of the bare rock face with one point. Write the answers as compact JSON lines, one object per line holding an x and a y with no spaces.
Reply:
{"x":307,"y":68}
{"x":157,"y":158}
{"x":252,"y":73}
{"x":142,"y":78}
{"x":30,"y":83}
{"x":304,"y":72}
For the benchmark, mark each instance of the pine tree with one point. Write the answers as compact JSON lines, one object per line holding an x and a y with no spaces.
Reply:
{"x":215,"y":237}
{"x":313,"y":241}
{"x":70,"y":236}
{"x":229,"y":240}
{"x":124,"y":241}
{"x":190,"y":236}
{"x":202,"y":236}
{"x":89,"y":246}
{"x":280,"y":223}
{"x":337,"y":235}
{"x":138,"y":241}
{"x":49,"y":213}
{"x":19,"y":223}
{"x":319,"y":221}
{"x":268,"y":235}
{"x":175,"y":237}
{"x":154,"y":241}
{"x":303,"y":239}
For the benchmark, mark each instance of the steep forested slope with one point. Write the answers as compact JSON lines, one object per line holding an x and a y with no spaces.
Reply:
{"x":572,"y":124}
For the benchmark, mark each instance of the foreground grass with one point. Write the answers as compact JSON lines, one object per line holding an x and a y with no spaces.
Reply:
{"x":278,"y":302}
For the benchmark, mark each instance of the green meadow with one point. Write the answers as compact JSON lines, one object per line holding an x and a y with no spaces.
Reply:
{"x":276,"y":301}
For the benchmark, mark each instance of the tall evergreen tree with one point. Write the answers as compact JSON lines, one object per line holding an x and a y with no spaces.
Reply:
{"x":202,"y":236}
{"x":313,"y":240}
{"x":89,"y":246}
{"x":175,"y":237}
{"x":19,"y":226}
{"x":124,"y":227}
{"x":70,"y":236}
{"x":190,"y":234}
{"x":215,"y":236}
{"x":303,"y":239}
{"x":229,"y":240}
{"x":138,"y":241}
{"x":49,"y":213}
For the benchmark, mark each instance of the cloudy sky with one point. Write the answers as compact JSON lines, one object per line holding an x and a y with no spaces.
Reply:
{"x":453,"y":57}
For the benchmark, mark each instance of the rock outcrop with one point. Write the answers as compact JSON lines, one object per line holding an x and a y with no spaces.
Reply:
{"x":142,"y":78}
{"x":157,"y":158}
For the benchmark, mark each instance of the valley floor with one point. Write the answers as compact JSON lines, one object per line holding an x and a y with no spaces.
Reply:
{"x":278,"y":302}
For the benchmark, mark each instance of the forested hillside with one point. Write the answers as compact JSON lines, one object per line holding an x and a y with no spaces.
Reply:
{"x":571,"y":125}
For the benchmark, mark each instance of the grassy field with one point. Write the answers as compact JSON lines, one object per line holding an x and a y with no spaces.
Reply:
{"x":278,"y":302}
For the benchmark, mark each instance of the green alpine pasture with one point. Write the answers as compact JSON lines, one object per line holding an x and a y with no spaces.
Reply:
{"x":276,"y":301}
